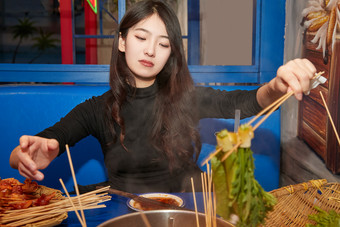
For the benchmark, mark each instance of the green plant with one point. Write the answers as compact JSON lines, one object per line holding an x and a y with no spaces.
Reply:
{"x":43,"y":42}
{"x":22,"y":31}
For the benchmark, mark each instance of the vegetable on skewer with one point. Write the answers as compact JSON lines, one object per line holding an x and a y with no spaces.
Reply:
{"x":237,"y":190}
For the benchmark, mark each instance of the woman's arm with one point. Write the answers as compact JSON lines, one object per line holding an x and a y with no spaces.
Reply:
{"x":37,"y":152}
{"x":295,"y":76}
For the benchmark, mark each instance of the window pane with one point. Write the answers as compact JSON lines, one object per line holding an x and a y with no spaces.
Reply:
{"x":30,"y":32}
{"x":226,"y":32}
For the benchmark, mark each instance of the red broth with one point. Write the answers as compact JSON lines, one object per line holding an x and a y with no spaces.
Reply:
{"x":170,"y":201}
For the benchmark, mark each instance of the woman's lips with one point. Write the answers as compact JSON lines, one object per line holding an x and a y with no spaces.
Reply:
{"x":146,"y":63}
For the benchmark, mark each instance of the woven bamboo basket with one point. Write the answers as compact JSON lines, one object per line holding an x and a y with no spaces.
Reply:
{"x":51,"y":220}
{"x":296,"y":202}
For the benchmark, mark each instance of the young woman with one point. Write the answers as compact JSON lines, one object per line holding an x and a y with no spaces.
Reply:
{"x":147,"y":122}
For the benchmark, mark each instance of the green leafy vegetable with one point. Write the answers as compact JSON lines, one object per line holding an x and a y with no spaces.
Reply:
{"x":324,"y":218}
{"x":237,"y":191}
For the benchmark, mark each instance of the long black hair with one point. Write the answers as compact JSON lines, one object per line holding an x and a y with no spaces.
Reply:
{"x":174,"y":130}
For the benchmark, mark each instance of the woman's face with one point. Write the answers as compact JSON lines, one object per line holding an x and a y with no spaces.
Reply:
{"x":147,"y":49}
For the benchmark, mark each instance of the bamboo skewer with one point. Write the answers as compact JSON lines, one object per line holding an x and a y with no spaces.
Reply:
{"x":330,"y":118}
{"x":29,"y":220}
{"x":68,"y":196}
{"x":231,"y":151}
{"x":203,"y":181}
{"x":75,"y":184}
{"x":145,"y":219}
{"x":215,"y":208}
{"x":195,"y":203}
{"x":211,"y":156}
{"x":209,"y":196}
{"x":207,"y":213}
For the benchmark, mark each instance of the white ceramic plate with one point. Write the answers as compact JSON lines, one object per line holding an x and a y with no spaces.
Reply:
{"x":133,"y":204}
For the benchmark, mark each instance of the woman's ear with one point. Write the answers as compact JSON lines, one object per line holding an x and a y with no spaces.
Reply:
{"x":121,"y":44}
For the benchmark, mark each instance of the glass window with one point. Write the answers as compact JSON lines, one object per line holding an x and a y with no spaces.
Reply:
{"x":30,"y":32}
{"x":226,"y":32}
{"x":215,"y":33}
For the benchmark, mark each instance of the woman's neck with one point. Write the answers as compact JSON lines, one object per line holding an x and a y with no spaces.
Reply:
{"x":144,"y":83}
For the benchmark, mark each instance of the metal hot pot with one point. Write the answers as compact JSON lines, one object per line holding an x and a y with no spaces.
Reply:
{"x":163,"y":218}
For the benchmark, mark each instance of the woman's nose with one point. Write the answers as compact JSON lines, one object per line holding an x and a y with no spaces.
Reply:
{"x":150,"y":50}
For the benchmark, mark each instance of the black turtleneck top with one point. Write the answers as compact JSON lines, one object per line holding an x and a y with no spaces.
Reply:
{"x":142,"y":168}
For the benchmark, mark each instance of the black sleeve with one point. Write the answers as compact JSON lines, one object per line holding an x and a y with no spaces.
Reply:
{"x":81,"y":121}
{"x":214,"y":103}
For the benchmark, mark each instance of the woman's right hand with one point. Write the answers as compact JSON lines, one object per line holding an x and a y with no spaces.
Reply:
{"x":33,"y":154}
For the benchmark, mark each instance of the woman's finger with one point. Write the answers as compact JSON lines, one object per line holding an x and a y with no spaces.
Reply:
{"x":289,"y":79}
{"x":310,"y":66}
{"x":52,"y":144}
{"x":24,"y":142}
{"x":26,"y":160}
{"x":37,"y":175}
{"x":304,"y":72}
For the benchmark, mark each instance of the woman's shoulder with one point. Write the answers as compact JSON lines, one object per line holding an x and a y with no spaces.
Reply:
{"x":203,"y":91}
{"x":94,"y":102}
{"x":99,"y":98}
{"x":202,"y":88}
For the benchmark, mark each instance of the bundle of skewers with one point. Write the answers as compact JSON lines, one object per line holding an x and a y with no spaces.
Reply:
{"x":209,"y":199}
{"x":55,"y":211}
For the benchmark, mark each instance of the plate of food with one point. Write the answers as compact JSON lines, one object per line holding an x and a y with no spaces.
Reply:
{"x":166,"y":198}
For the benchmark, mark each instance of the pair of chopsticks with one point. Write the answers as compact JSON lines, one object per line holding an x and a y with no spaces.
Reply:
{"x":269,"y":109}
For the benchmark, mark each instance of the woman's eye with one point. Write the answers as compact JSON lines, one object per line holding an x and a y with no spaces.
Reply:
{"x":164,"y":45}
{"x":140,"y":37}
